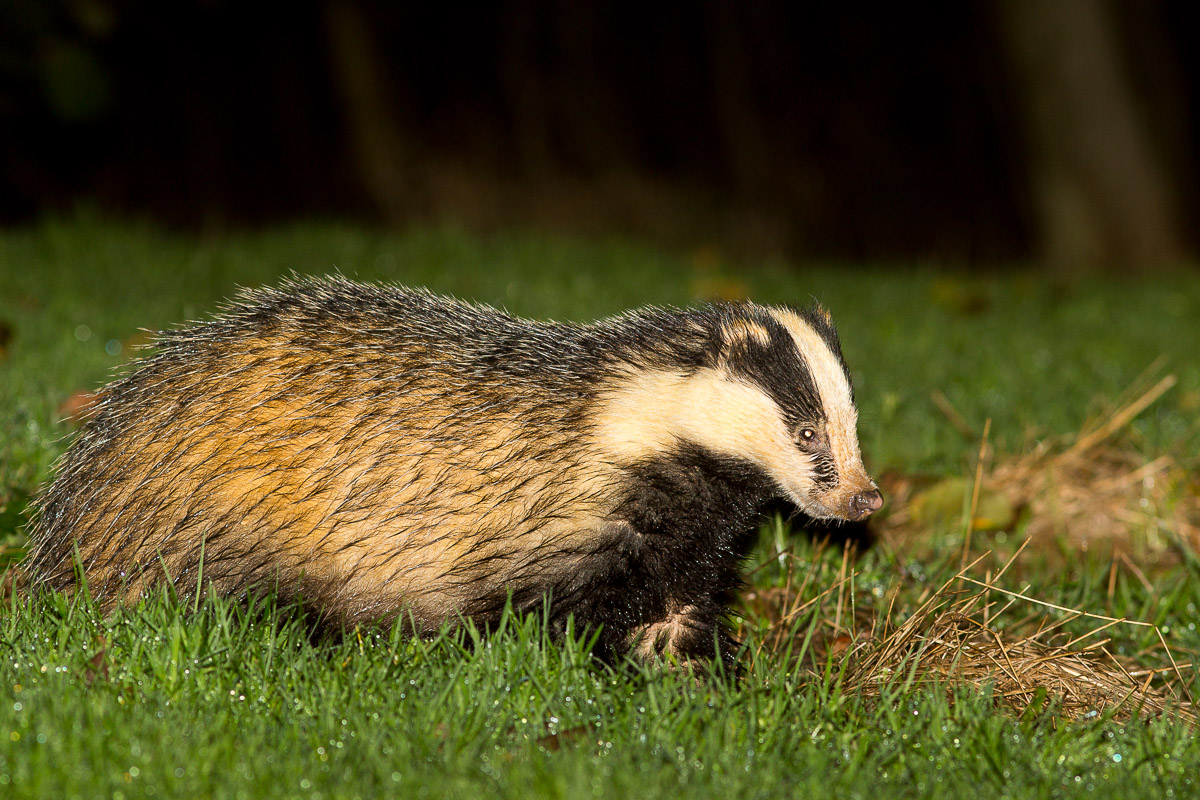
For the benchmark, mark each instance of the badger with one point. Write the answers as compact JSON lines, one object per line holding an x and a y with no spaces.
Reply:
{"x":382,"y":454}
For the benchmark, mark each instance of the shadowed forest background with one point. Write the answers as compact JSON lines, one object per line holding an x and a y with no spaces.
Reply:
{"x":968,"y":132}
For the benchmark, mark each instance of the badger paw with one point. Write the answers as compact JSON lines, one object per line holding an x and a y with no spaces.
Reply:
{"x":687,"y":637}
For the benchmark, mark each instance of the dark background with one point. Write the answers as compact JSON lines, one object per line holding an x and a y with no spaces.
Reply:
{"x":990,"y":132}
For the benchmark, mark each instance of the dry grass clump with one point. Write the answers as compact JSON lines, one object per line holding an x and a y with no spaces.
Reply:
{"x":1094,"y":490}
{"x":1091,"y":489}
{"x":954,"y":639}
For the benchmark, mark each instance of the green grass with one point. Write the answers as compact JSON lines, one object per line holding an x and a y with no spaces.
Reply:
{"x":233,"y":701}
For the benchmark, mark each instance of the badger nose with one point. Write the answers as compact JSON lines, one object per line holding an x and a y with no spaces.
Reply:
{"x":864,"y":504}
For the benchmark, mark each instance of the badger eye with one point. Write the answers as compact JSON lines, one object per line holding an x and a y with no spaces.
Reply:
{"x":810,"y":438}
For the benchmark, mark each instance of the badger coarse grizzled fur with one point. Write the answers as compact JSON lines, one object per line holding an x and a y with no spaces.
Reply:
{"x":382,"y":453}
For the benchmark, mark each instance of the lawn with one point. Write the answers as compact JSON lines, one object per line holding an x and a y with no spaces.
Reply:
{"x":234,"y":701}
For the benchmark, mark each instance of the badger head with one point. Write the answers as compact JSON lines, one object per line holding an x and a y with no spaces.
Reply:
{"x":772,"y":392}
{"x":800,"y":423}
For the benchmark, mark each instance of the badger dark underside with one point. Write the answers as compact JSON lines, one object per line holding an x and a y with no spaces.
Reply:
{"x":677,"y":541}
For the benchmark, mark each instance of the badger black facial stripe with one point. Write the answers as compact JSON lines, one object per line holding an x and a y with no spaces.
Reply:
{"x":779,"y":369}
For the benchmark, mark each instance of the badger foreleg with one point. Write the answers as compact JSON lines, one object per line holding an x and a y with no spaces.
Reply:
{"x":686,"y":634}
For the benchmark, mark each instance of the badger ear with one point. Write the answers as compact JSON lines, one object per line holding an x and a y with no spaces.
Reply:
{"x":819,"y":312}
{"x":737,"y":337}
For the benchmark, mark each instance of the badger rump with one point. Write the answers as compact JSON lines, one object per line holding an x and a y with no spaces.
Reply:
{"x":379,"y":452}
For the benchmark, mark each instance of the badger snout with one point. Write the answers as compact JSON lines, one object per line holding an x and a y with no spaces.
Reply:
{"x":864,"y":504}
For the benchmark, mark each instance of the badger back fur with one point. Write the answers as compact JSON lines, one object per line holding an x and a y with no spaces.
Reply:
{"x":380,"y":452}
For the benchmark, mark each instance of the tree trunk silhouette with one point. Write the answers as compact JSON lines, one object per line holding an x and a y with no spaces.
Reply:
{"x":380,"y":152}
{"x":1102,"y":195}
